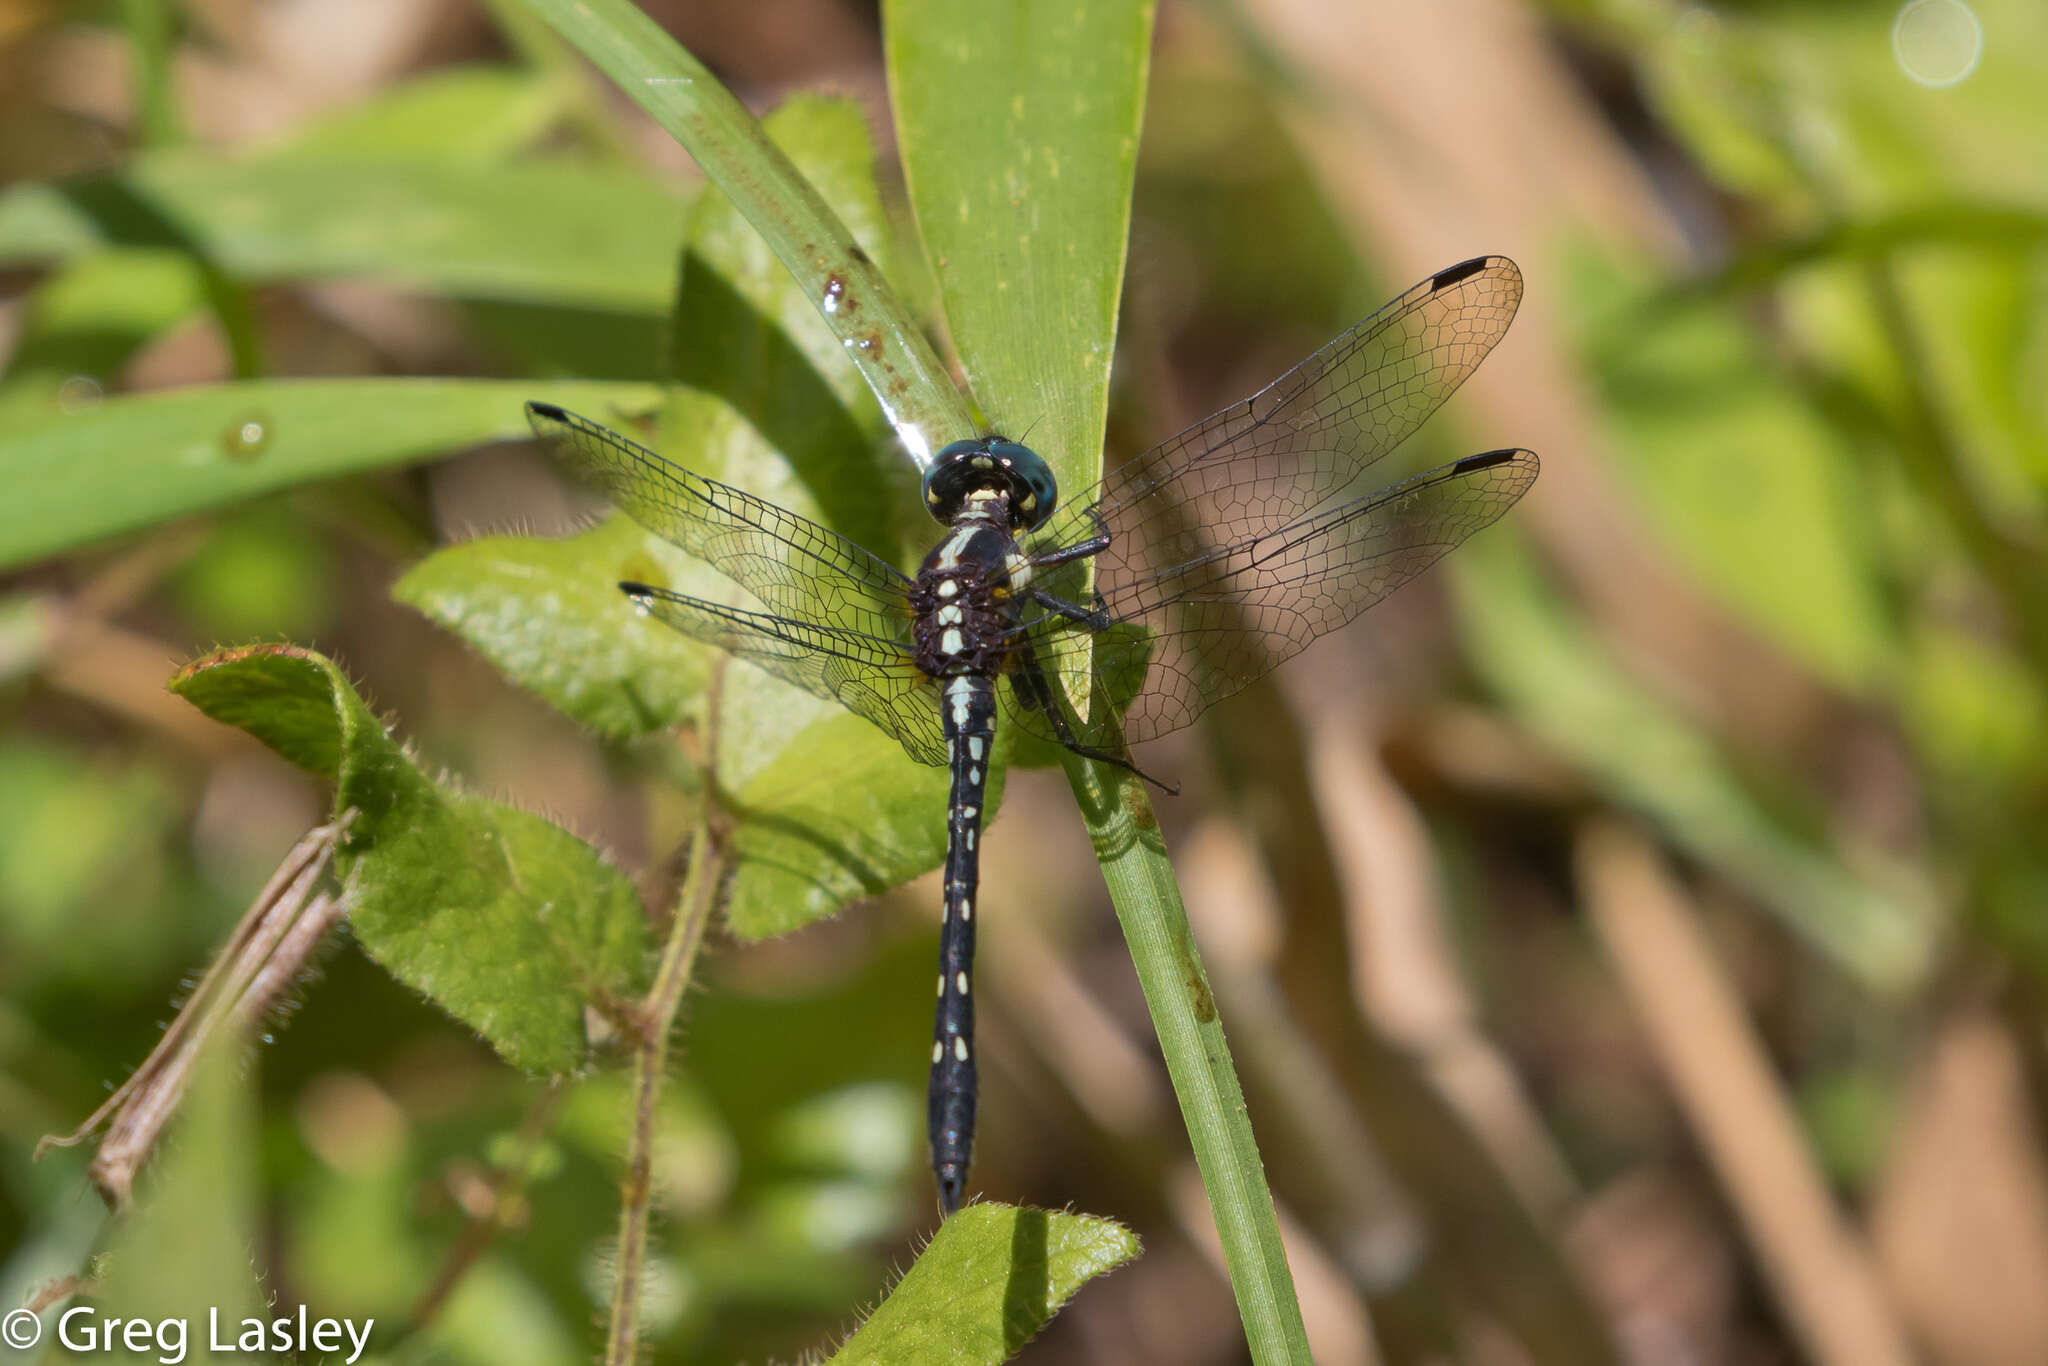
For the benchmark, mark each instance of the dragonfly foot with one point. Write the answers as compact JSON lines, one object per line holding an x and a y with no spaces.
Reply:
{"x":1103,"y":756}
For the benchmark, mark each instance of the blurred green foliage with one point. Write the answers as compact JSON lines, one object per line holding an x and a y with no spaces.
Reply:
{"x":1832,"y":419}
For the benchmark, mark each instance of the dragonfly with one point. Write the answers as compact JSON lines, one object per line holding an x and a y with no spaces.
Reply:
{"x":1112,"y":618}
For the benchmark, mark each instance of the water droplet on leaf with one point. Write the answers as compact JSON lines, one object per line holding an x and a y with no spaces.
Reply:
{"x":248,"y":438}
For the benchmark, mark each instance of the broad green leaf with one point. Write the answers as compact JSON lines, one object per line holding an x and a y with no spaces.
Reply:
{"x":509,"y":923}
{"x":838,"y":813}
{"x":991,"y":1279}
{"x":135,"y":461}
{"x":185,"y":1250}
{"x":879,"y":335}
{"x":550,"y":617}
{"x":1018,"y":124}
{"x":537,"y":232}
{"x":468,"y":113}
{"x":1562,"y":688}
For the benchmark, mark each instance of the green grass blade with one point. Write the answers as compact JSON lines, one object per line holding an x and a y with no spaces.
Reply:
{"x":761,"y":395}
{"x":539,"y":233}
{"x":86,"y":319}
{"x":829,"y":265}
{"x":134,"y":462}
{"x":1018,"y":124}
{"x":483,"y":114}
{"x":1125,"y":833}
{"x":151,"y":40}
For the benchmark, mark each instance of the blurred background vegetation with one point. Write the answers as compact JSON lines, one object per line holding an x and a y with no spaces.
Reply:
{"x":1635,"y":935}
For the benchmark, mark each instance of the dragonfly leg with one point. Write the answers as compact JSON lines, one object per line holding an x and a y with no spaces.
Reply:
{"x":1036,"y":690}
{"x":1080,"y":550}
{"x":1093,"y":618}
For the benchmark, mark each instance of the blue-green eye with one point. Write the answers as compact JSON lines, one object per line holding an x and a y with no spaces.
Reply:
{"x":991,"y":462}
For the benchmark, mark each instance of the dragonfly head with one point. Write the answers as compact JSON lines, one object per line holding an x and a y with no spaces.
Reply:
{"x":990,"y":463}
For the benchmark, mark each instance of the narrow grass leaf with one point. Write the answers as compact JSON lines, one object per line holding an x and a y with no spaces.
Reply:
{"x":1018,"y":124}
{"x":468,"y":113}
{"x":136,"y":461}
{"x":535,"y":232}
{"x":832,"y":269}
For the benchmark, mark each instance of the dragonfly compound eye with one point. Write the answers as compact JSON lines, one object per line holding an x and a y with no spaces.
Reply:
{"x":990,"y":462}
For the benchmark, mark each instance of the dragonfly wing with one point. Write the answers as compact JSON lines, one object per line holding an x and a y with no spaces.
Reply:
{"x":1307,"y":436}
{"x":798,"y":569}
{"x":1203,"y":602}
{"x":869,"y":676}
{"x":1203,"y":629}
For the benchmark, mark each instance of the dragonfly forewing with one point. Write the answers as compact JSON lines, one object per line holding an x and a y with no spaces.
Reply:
{"x":1309,"y":435}
{"x":869,"y":676}
{"x":795,"y":567}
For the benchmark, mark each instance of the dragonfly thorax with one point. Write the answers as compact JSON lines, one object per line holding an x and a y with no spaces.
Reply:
{"x":962,"y":600}
{"x":1017,"y":473}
